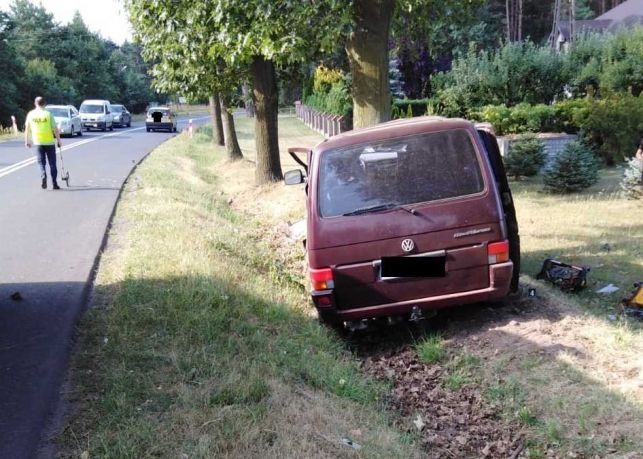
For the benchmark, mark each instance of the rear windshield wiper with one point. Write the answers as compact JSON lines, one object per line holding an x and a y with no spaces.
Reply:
{"x":381,"y":208}
{"x":369,"y":209}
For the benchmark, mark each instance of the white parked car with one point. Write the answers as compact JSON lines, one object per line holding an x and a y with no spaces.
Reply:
{"x":67,"y":119}
{"x":96,"y":114}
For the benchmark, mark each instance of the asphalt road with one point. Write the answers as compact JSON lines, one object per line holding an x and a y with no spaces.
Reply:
{"x":49,"y":242}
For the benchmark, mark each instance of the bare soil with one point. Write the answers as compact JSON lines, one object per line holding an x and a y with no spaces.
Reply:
{"x":543,"y":348}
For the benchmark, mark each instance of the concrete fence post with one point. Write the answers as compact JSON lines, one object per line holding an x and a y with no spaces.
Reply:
{"x":14,"y":125}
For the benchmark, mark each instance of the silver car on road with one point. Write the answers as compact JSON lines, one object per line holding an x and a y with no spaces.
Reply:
{"x":67,"y":119}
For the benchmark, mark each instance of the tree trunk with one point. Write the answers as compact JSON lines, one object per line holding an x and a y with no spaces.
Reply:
{"x":215,"y":114}
{"x":519,"y":34}
{"x":247,"y":101}
{"x":367,"y":50}
{"x":572,"y":22}
{"x":265,"y":97}
{"x":508,"y":16}
{"x":231,"y":142}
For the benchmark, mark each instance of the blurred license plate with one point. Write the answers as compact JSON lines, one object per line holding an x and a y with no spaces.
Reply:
{"x":427,"y":266}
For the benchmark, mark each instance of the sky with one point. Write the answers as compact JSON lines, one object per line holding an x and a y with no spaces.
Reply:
{"x":107,"y":17}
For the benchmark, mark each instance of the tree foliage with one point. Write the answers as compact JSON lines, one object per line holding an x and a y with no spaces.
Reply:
{"x":65,"y":63}
{"x":574,"y":169}
{"x":526,"y":157}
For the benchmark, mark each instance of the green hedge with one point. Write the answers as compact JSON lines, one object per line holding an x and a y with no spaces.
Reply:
{"x":336,"y":101}
{"x":611,"y":126}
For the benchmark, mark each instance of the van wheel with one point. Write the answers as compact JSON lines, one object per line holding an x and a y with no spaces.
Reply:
{"x":331,"y":319}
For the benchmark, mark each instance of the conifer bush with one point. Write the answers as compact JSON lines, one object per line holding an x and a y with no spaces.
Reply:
{"x":632,"y":183}
{"x":574,"y":169}
{"x":526,"y":157}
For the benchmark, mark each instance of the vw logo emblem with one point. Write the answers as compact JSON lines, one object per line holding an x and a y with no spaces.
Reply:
{"x":408,"y":245}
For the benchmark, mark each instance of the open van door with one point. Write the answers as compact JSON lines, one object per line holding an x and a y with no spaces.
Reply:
{"x":495,"y":159}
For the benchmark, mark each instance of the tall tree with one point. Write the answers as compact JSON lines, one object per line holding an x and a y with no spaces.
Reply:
{"x":264,"y":34}
{"x":214,"y":103}
{"x":514,"y":20}
{"x":176,"y":36}
{"x":12,"y":70}
{"x":367,"y":49}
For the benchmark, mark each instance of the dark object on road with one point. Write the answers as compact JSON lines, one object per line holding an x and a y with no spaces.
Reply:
{"x":16,"y":296}
{"x":567,"y":277}
{"x":64,"y":172}
{"x":407,"y":217}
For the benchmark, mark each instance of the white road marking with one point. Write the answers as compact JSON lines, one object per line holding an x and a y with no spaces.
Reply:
{"x":29,"y":161}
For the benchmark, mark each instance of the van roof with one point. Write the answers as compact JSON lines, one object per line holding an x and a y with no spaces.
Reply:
{"x":95,"y":101}
{"x":393,"y":129}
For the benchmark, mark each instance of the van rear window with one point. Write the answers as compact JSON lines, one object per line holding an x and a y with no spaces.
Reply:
{"x":407,"y":170}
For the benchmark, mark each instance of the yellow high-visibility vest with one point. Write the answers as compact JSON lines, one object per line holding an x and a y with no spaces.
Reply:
{"x":42,"y":126}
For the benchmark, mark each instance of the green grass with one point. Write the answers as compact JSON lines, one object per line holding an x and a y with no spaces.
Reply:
{"x":199,"y":343}
{"x":431,"y":349}
{"x":596,"y":228}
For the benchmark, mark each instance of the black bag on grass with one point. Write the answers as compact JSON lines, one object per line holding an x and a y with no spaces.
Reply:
{"x":567,"y":277}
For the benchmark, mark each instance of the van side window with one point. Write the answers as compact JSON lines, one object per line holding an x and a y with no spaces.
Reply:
{"x":408,"y":170}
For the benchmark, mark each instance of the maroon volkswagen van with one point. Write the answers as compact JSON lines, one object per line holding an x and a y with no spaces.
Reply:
{"x":406,"y":216}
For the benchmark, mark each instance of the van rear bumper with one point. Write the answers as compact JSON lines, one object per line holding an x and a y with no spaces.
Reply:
{"x":499,"y":283}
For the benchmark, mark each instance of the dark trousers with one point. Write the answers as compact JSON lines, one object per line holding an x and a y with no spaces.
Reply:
{"x":47,"y":154}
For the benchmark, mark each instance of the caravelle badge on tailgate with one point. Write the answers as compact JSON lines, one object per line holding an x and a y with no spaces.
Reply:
{"x":472,"y":232}
{"x":408,"y":245}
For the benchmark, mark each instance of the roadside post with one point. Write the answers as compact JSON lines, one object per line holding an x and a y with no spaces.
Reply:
{"x":14,"y":125}
{"x":190,"y":128}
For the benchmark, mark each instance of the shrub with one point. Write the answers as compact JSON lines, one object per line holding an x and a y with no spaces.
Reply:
{"x":325,"y":78}
{"x":517,"y":72}
{"x":526,"y":157}
{"x":612,"y":125}
{"x":408,"y":108}
{"x":632,"y":183}
{"x":574,"y":169}
{"x":334,"y":99}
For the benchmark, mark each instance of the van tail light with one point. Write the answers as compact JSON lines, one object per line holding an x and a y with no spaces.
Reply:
{"x":498,"y":252}
{"x":321,"y":279}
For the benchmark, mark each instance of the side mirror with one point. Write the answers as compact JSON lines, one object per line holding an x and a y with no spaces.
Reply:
{"x":294,"y":177}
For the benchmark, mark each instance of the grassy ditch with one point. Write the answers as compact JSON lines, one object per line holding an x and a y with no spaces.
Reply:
{"x":199,"y":344}
{"x":202,"y":342}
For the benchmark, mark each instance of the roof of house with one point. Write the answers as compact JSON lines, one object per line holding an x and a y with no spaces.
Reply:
{"x":627,"y":14}
{"x":624,"y":10}
{"x":591,"y":25}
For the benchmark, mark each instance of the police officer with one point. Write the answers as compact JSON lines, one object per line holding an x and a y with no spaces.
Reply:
{"x":40,"y":128}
